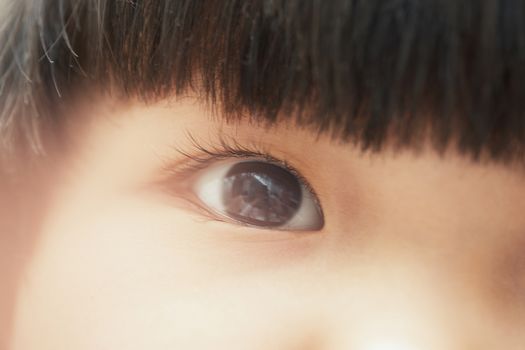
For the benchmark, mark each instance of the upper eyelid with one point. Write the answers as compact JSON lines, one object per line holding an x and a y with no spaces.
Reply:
{"x":177,"y":173}
{"x":229,"y":148}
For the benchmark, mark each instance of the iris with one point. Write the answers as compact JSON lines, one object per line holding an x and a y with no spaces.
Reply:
{"x":261,"y":194}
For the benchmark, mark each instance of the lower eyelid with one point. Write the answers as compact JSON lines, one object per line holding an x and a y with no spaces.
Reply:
{"x":227,"y":229}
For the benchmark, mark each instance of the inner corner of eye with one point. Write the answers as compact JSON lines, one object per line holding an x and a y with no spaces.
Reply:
{"x":260,"y":194}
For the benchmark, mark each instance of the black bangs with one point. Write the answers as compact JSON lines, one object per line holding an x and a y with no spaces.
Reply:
{"x":365,"y":71}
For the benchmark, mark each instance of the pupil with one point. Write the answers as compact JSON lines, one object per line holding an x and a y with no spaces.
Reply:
{"x":261,"y":194}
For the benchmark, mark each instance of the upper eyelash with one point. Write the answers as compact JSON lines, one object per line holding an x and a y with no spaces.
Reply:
{"x":202,"y":155}
{"x":226,"y":147}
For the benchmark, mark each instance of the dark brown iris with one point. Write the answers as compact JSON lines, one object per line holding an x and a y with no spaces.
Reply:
{"x":260,"y":193}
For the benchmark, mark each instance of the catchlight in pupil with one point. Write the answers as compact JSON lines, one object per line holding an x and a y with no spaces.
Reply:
{"x":261,"y":193}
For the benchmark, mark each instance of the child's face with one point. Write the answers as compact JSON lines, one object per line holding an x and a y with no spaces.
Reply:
{"x":416,"y":252}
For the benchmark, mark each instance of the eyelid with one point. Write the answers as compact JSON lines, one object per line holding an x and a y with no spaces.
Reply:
{"x":201,"y":156}
{"x":179,"y":175}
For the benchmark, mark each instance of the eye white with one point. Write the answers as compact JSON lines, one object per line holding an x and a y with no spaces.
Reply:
{"x":208,"y":188}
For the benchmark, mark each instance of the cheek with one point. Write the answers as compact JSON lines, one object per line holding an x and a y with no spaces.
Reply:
{"x":118,"y":273}
{"x":123,"y":272}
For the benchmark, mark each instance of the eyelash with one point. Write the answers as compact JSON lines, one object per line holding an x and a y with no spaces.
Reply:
{"x":202,"y":155}
{"x":199,"y":155}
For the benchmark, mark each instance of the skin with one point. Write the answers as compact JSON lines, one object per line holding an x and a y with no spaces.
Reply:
{"x":419,"y":251}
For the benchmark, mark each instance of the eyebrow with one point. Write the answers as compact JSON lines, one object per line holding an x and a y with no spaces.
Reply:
{"x":362,"y":70}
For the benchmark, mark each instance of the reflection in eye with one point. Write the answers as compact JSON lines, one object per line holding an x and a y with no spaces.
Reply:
{"x":261,"y":194}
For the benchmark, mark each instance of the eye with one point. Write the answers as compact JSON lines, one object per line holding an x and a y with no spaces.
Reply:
{"x":261,"y":194}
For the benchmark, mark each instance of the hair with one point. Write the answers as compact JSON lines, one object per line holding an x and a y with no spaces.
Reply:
{"x":365,"y":71}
